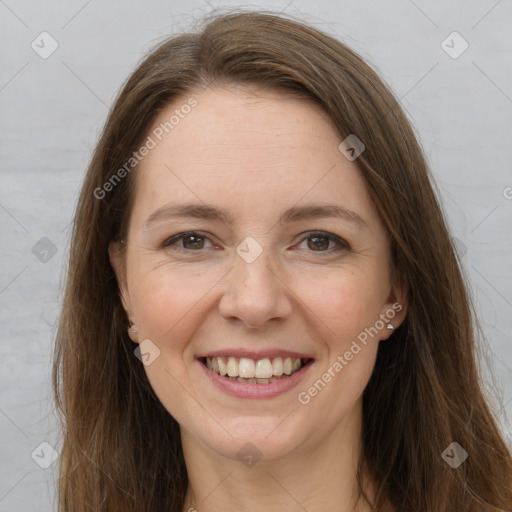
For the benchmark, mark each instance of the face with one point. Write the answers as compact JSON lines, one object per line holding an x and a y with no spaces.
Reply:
{"x":279,"y":264}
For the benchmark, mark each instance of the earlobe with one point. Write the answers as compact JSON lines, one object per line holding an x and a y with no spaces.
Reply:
{"x":394,"y":312}
{"x":132,"y":332}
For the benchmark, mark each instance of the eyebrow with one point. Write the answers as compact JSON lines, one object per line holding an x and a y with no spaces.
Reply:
{"x":211,"y":212}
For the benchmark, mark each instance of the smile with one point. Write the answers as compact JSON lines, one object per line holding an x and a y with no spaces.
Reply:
{"x":251,"y":371}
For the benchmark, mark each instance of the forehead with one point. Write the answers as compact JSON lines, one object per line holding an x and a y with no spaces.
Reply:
{"x":246,"y":148}
{"x":261,"y":122}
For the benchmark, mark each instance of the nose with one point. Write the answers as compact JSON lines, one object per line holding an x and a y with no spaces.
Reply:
{"x":256,"y":292}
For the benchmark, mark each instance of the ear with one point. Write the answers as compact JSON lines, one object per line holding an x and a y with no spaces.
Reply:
{"x":394,"y":310}
{"x":120,"y":270}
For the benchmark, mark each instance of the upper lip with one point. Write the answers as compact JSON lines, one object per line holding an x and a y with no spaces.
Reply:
{"x":253,"y":354}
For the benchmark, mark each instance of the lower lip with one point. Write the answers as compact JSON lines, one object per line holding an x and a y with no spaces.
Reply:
{"x":249,"y":390}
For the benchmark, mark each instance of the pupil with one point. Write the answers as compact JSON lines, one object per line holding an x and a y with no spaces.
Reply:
{"x":194,"y":244}
{"x":320,"y":246}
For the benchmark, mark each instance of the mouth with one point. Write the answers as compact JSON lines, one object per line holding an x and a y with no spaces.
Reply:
{"x":252,"y":371}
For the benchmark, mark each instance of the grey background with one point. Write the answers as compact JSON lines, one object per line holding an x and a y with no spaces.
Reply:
{"x":51,"y":112}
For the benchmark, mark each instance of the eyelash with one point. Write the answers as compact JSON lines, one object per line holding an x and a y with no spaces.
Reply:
{"x":342,"y":244}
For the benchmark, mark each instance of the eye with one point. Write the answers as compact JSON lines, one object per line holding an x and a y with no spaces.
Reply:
{"x":319,"y":241}
{"x":191,"y":240}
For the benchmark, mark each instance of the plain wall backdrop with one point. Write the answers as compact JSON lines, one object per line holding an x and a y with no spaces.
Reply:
{"x":456,"y":89}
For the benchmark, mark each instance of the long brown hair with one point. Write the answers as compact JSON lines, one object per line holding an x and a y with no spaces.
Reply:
{"x":121,"y":449}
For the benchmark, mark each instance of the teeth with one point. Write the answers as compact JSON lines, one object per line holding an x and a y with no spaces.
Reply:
{"x":246,"y":368}
{"x":250,"y":381}
{"x":277,"y":366}
{"x":287,"y":366}
{"x":232,"y":367}
{"x":263,"y":371}
{"x":222,"y":367}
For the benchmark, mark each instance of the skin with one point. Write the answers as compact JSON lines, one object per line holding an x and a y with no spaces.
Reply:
{"x":256,"y":153}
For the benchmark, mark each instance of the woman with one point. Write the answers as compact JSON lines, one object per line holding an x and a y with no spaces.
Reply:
{"x":264,"y":309}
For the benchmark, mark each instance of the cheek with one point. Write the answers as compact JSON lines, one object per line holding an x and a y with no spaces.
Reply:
{"x":167,"y":300}
{"x":168,"y":304}
{"x":345,"y":306}
{"x":346,"y":302}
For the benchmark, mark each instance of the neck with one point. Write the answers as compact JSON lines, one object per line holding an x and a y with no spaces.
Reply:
{"x":317,"y":478}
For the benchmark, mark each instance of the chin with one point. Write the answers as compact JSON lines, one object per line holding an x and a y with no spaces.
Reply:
{"x":265,"y":438}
